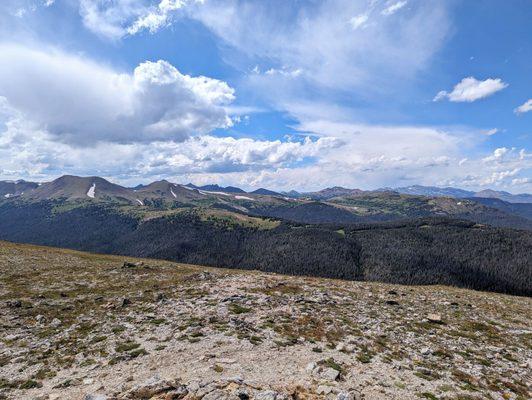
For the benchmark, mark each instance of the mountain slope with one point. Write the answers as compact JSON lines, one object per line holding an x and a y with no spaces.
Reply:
{"x":331,"y":192}
{"x":392,"y":206}
{"x":216,"y":188}
{"x":433,"y":191}
{"x":70,"y":187}
{"x":331,"y":205}
{"x":505,"y":196}
{"x":122,"y":328}
{"x":265,"y":192}
{"x":164,"y":190}
{"x":425,"y":250}
{"x":16,"y":188}
{"x":521,"y":209}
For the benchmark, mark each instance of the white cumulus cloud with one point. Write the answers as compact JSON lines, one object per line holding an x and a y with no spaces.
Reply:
{"x":470,"y":89}
{"x":525,"y":107}
{"x":78,"y":100}
{"x":27,"y":150}
{"x":158,"y":17}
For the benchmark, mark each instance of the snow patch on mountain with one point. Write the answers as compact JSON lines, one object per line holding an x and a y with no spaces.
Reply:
{"x":91,"y":191}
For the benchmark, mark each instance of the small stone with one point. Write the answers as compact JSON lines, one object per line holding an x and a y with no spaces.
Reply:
{"x":56,"y":322}
{"x":311,"y":367}
{"x":128,"y":264}
{"x":242,"y":393}
{"x":14,"y":304}
{"x":40,"y":319}
{"x":176,"y":394}
{"x":219,"y":394}
{"x":266,"y":395}
{"x":226,"y":361}
{"x":150,"y":388}
{"x":236,"y":379}
{"x":425,"y":351}
{"x":435,"y":318}
{"x":344,"y":348}
{"x":95,"y":397}
{"x":340,"y":346}
{"x":330,"y":373}
{"x":324,"y":389}
{"x":345,"y":396}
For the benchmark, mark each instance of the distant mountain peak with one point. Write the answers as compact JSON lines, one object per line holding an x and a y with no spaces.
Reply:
{"x":434,"y":191}
{"x":265,"y":192}
{"x":216,"y":188}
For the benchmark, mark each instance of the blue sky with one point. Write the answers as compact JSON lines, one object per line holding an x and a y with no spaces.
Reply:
{"x":282,"y":94}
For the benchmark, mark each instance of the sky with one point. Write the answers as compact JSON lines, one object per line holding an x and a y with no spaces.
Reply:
{"x":283,"y":94}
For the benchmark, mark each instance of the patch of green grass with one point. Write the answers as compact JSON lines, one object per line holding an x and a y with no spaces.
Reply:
{"x":331,"y":363}
{"x":126,"y":346}
{"x":98,"y":339}
{"x":30,"y":384}
{"x":137,"y":352}
{"x":255,"y":340}
{"x":236,"y":308}
{"x":427,"y":395}
{"x":118,"y":329}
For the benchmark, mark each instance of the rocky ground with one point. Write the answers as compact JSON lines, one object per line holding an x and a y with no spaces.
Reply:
{"x":82,"y":326}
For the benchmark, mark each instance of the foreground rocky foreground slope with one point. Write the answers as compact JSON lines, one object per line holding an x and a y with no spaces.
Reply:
{"x":82,"y":326}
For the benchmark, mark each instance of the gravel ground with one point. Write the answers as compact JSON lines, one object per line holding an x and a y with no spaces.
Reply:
{"x":81,"y":326}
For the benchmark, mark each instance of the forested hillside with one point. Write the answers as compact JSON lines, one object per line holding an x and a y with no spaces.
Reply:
{"x":420,"y":251}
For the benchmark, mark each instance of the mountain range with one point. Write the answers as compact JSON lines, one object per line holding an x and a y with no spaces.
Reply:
{"x":383,"y":235}
{"x":80,"y":186}
{"x":460,"y":193}
{"x":330,"y":205}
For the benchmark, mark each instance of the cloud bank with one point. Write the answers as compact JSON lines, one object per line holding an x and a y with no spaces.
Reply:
{"x":78,"y":100}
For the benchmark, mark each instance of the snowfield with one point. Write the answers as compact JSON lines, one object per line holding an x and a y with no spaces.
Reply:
{"x":91,"y":191}
{"x":206,"y":192}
